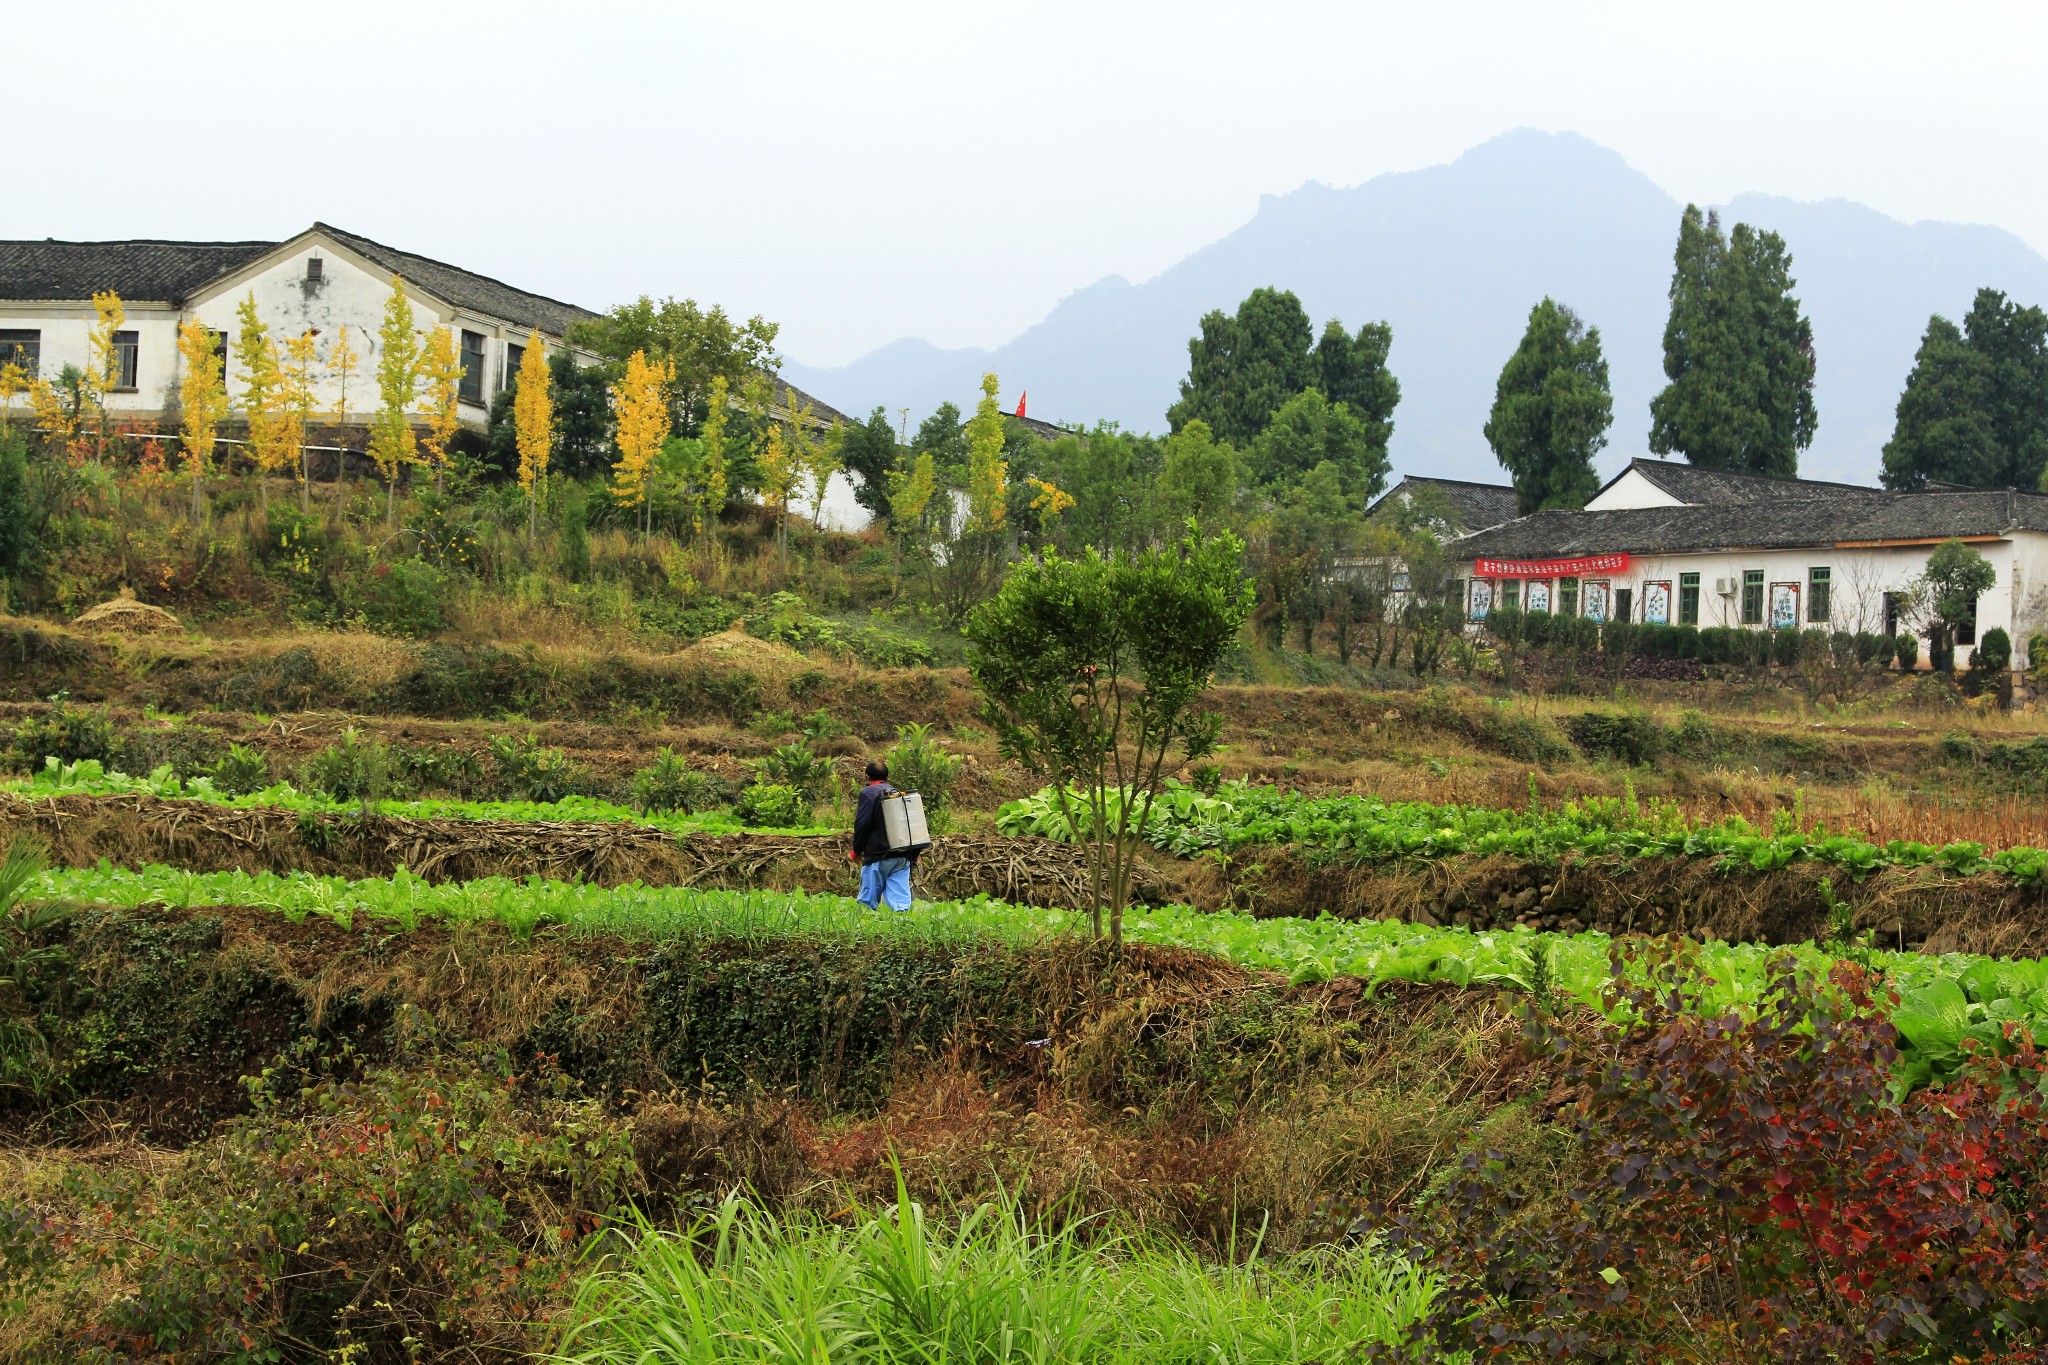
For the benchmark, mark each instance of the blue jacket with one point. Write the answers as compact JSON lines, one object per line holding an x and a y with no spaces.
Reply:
{"x":870,"y":834}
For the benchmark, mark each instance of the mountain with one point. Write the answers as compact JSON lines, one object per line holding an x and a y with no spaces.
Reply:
{"x":1454,"y":256}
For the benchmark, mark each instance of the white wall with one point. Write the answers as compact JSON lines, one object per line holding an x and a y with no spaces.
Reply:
{"x":348,"y":295}
{"x":1632,"y":490}
{"x":66,"y":332}
{"x":1859,"y":578}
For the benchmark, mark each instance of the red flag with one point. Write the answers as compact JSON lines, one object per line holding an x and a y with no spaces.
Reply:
{"x":1020,"y":402}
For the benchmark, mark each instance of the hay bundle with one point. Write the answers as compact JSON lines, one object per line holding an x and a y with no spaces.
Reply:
{"x":126,"y":616}
{"x":736,"y":651}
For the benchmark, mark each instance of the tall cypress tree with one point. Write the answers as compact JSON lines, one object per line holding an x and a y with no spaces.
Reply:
{"x":1352,"y":370}
{"x":1243,"y":367}
{"x":1551,"y":411}
{"x":1737,"y":351}
{"x":2014,"y":340}
{"x":1944,"y":429}
{"x":1975,"y":406}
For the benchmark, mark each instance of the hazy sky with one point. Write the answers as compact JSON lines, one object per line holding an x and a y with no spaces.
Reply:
{"x":864,"y":171}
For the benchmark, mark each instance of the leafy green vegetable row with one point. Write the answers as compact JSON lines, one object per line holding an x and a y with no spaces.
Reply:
{"x":88,"y":777}
{"x":1367,"y":829}
{"x":1944,"y":1000}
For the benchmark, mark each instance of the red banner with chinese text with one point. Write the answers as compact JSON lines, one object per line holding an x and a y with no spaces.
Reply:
{"x":1550,"y":568}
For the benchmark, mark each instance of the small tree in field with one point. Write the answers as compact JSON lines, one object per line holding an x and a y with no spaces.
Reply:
{"x":1090,"y":670}
{"x":1956,"y":577}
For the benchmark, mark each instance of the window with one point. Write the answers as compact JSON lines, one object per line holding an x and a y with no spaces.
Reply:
{"x":1511,"y":593}
{"x":1567,"y":597}
{"x":316,"y":270}
{"x":1966,"y":629}
{"x":21,"y":346}
{"x":1752,"y":597}
{"x":1817,"y":581}
{"x":515,"y":356}
{"x":471,"y":390}
{"x":1624,"y":603}
{"x":1892,"y":602}
{"x":1688,"y":599}
{"x":126,"y":361}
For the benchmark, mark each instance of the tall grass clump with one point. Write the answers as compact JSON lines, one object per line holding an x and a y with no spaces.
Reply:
{"x":745,"y":1286}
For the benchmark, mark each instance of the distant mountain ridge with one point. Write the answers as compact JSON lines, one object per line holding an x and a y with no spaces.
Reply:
{"x":1454,"y":256}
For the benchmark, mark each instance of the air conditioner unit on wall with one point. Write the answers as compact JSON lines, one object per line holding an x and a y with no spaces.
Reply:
{"x":1724,"y":587}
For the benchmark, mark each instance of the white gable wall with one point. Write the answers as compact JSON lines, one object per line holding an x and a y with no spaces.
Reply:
{"x":1631,"y":490}
{"x":352,"y":293}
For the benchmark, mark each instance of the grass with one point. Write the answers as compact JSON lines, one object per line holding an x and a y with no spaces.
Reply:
{"x":743,"y":1286}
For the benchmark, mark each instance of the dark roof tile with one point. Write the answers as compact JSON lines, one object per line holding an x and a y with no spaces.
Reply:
{"x":466,"y":288}
{"x":1786,"y":524}
{"x":139,"y":271}
{"x":1703,"y":487}
{"x":1477,"y":505}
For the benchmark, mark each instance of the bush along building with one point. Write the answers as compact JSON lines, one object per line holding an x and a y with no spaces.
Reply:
{"x":1665,"y":544}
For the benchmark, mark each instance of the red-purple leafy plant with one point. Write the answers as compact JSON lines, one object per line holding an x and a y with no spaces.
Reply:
{"x":1757,"y":1192}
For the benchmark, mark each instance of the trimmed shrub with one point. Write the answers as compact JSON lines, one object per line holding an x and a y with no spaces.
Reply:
{"x":1994,"y":651}
{"x":530,"y":770}
{"x":774,"y":805}
{"x":917,"y":763}
{"x":1906,"y":649}
{"x":355,"y":767}
{"x":670,"y":783}
{"x":242,"y":771}
{"x":1626,"y":738}
{"x":66,"y":733}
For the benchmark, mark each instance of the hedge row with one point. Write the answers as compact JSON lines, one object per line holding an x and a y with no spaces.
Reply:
{"x":1708,"y":645}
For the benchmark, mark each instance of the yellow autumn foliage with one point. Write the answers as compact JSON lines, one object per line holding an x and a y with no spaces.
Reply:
{"x":641,"y":421}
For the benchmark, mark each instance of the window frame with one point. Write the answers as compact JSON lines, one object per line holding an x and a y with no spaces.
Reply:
{"x":125,"y":357}
{"x":1819,"y":593}
{"x":1688,"y":599}
{"x":1511,"y":594}
{"x":471,"y":388}
{"x":1752,"y":579}
{"x":15,"y":341}
{"x":1567,"y":597}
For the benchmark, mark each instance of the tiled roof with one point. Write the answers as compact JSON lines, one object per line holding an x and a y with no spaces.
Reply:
{"x":1477,"y":505}
{"x":1785,"y":524}
{"x":465,"y":288}
{"x":1703,"y":487}
{"x":139,"y":271}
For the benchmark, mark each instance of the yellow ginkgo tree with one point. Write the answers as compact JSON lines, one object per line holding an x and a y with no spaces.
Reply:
{"x":441,"y":380}
{"x":707,"y":498}
{"x":640,"y":419}
{"x":533,"y":427}
{"x":342,"y":361}
{"x":295,"y":403}
{"x":393,"y":445}
{"x":262,"y":395}
{"x":202,"y":402}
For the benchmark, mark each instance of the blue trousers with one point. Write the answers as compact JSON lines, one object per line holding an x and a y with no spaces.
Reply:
{"x":885,"y":879}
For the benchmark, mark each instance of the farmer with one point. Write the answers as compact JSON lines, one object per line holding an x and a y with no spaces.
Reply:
{"x":883,"y":875}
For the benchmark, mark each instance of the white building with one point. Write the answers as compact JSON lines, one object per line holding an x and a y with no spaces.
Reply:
{"x":321,"y":281}
{"x":1665,"y":543}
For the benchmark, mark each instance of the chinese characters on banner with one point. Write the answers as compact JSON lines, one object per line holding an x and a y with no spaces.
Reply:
{"x":1550,"y":568}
